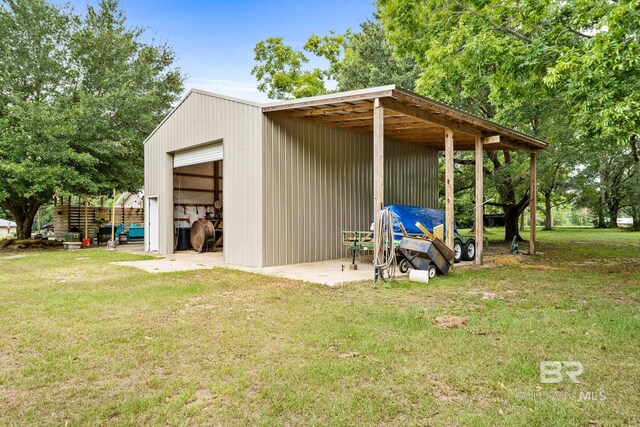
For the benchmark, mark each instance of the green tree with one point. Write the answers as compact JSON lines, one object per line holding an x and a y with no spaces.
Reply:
{"x":78,"y":95}
{"x":367,"y":59}
{"x":465,"y":65}
{"x":280,"y":71}
{"x":356,"y":60}
{"x":557,"y":164}
{"x":600,"y":73}
{"x":524,"y":63}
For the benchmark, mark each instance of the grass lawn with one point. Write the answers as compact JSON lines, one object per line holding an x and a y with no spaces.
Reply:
{"x":85,"y":342}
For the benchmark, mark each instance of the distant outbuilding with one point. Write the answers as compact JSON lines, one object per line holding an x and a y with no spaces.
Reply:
{"x":7,"y":228}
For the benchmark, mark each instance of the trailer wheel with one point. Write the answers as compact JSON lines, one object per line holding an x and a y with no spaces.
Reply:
{"x":432,"y":271}
{"x":404,"y":266}
{"x":457,"y":250}
{"x":469,"y":250}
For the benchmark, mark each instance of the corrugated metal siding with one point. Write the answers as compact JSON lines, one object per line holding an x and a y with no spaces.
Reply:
{"x":411,"y":175}
{"x":318,"y":182}
{"x":203,"y":118}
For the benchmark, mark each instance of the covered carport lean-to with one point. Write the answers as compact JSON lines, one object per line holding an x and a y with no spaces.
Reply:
{"x":390,"y":113}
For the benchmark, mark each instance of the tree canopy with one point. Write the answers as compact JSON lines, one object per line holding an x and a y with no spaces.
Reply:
{"x":78,"y":95}
{"x":355,"y":60}
{"x":564,"y":71}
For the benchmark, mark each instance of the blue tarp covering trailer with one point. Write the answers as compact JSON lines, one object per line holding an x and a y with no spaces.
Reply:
{"x":408,"y":216}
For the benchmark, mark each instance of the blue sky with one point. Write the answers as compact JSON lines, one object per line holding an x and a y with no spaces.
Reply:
{"x":214,"y":40}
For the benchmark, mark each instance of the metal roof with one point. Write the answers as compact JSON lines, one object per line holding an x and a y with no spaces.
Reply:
{"x":409,"y":117}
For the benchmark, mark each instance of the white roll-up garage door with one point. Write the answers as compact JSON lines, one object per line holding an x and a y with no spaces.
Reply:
{"x":193,"y":156}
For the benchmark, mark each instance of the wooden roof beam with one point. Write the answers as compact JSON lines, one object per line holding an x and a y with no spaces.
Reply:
{"x":495,"y":142}
{"x":420,"y":129}
{"x":364,"y":107}
{"x":368,"y":115}
{"x":480,"y":123}
{"x":391,"y":123}
{"x":323,"y":100}
{"x":352,"y":117}
{"x":437,"y":119}
{"x":488,"y":140}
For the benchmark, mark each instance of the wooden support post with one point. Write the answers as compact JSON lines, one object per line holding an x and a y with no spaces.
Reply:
{"x":378,"y":169}
{"x":86,"y":218}
{"x":113,"y":216}
{"x":532,"y":206}
{"x":479,"y":210}
{"x":448,"y":184}
{"x":69,"y":214}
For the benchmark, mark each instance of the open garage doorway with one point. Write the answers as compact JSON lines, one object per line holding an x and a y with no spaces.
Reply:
{"x":198,"y":199}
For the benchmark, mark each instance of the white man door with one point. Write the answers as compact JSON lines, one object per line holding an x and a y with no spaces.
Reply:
{"x":152,"y":224}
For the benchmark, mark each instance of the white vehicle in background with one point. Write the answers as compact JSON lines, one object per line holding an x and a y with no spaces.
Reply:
{"x":624,"y":222}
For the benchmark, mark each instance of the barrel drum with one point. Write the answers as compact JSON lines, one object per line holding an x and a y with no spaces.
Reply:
{"x":202,"y":232}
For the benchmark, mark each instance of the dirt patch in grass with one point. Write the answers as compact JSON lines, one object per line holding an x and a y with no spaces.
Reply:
{"x":510,"y":259}
{"x":450,"y":322}
{"x":349,"y":355}
{"x":444,"y":393}
{"x":203,"y":398}
{"x":14,"y":256}
{"x":507,"y":295}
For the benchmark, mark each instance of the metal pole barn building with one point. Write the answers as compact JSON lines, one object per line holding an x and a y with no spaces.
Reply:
{"x":292,"y":175}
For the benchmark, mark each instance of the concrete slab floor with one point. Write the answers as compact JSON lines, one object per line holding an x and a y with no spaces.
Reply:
{"x":330,"y":272}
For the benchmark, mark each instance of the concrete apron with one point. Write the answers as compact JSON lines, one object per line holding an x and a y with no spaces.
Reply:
{"x":331,"y":272}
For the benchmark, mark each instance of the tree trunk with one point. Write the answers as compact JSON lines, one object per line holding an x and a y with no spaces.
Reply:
{"x":603,"y":199}
{"x":507,"y":190}
{"x":635,"y":198}
{"x":600,"y":223}
{"x":614,"y":208}
{"x":511,"y":216}
{"x":548,"y":219}
{"x":522,"y":222}
{"x":635,"y":212}
{"x":23,"y":214}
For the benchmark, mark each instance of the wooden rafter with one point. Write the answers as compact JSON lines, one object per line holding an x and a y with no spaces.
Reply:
{"x":332,"y":99}
{"x":392,"y":125}
{"x":488,"y":140}
{"x":327,"y":111}
{"x":362,"y":121}
{"x":434,"y":118}
{"x":408,"y":118}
